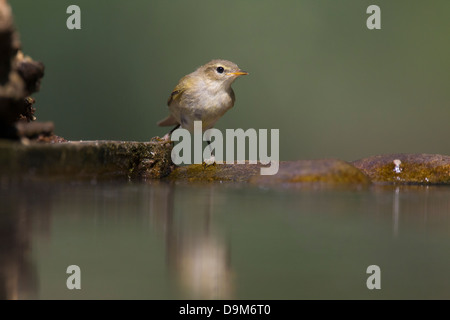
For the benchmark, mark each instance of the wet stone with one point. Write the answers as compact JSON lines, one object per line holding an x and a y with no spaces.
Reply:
{"x":85,"y":159}
{"x":407,"y":168}
{"x":307,"y":172}
{"x":329,"y":172}
{"x":216,"y":172}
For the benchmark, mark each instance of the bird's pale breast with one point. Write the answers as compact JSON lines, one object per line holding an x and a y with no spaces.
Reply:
{"x":204,"y":105}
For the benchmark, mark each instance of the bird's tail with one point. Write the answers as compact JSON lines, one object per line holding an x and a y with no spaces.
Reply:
{"x":169,"y":121}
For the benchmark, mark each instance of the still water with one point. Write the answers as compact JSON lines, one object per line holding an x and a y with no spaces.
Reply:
{"x":136,"y":240}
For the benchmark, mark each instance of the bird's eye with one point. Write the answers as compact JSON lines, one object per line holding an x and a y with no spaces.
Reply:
{"x":220,"y":69}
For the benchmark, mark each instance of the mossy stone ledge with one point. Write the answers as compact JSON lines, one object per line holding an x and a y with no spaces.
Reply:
{"x":406,"y":168}
{"x":320,"y":172}
{"x":85,"y":159}
{"x":329,"y":172}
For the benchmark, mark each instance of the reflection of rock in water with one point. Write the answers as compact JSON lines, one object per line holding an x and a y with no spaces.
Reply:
{"x":197,"y":255}
{"x":18,"y":276}
{"x":423,"y":206}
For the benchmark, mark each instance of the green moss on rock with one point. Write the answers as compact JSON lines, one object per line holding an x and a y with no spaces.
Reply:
{"x":324,"y":172}
{"x":217,"y":172}
{"x":407,"y":169}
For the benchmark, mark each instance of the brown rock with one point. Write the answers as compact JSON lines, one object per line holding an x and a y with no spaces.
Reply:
{"x":407,"y":168}
{"x":20,"y":77}
{"x":329,"y":172}
{"x":85,"y":160}
{"x":324,"y":172}
{"x":217,"y":172}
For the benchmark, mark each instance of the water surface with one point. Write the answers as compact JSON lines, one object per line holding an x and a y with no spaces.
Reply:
{"x":224,"y":241}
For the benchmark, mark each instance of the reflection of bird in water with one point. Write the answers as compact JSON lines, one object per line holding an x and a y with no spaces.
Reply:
{"x":196,"y":253}
{"x":204,"y":269}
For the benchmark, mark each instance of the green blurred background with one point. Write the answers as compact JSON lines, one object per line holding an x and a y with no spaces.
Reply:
{"x":332,"y":87}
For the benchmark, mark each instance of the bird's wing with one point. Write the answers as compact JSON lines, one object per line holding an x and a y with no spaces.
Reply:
{"x":181,"y":88}
{"x":176,"y":95}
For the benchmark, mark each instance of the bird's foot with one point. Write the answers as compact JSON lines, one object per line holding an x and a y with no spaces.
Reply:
{"x":209,"y":162}
{"x":163,"y":140}
{"x":167,"y":137}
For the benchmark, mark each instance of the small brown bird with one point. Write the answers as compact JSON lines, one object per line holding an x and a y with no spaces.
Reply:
{"x":203,"y":95}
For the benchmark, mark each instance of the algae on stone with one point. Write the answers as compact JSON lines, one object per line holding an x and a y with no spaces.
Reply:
{"x":407,"y":168}
{"x":329,"y":172}
{"x":326,"y":172}
{"x":217,"y":172}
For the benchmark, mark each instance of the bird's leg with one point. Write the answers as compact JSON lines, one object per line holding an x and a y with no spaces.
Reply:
{"x":167,"y":136}
{"x":212,"y":160}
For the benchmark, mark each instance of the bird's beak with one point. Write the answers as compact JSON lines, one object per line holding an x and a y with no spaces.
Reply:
{"x":238,"y":73}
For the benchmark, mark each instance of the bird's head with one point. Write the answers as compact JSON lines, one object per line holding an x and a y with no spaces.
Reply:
{"x":220,"y":72}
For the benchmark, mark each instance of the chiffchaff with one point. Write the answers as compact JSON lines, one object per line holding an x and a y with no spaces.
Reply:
{"x":203,"y":95}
